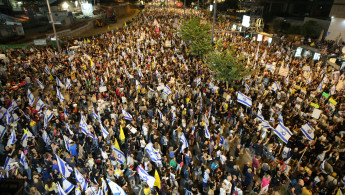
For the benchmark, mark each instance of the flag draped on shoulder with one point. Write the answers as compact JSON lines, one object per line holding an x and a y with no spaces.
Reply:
{"x":184,"y":142}
{"x":308,"y":131}
{"x":283,"y":132}
{"x":146,"y":177}
{"x":243,"y":99}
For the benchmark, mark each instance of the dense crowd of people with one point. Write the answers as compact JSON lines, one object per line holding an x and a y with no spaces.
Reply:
{"x":132,"y":111}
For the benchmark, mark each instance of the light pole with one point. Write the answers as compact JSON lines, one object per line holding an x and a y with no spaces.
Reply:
{"x":53,"y":24}
{"x":214,"y":18}
{"x":184,"y":10}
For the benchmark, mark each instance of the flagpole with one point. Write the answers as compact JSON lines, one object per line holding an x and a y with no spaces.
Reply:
{"x":301,"y":158}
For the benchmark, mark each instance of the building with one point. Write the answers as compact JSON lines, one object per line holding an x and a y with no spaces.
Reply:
{"x":336,"y":30}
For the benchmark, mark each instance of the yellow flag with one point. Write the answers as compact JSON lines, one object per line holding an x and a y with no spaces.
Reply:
{"x":312,"y":44}
{"x":25,"y":131}
{"x":125,"y":24}
{"x":122,"y":135}
{"x":51,"y":77}
{"x":108,"y":27}
{"x":332,"y":101}
{"x":117,"y":144}
{"x":158,"y":180}
{"x":88,"y":41}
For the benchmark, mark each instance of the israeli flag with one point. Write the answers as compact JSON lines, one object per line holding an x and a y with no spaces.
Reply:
{"x":333,"y":90}
{"x":8,"y":117}
{"x":83,"y":126}
{"x":264,"y":54}
{"x":146,"y":177}
{"x":60,"y":190}
{"x":173,"y":118}
{"x":59,"y":83}
{"x":39,"y":104}
{"x":319,"y":88}
{"x":2,"y":131}
{"x":80,"y":178}
{"x":266,"y":125}
{"x":104,"y":186}
{"x":68,"y":83}
{"x":126,"y":115}
{"x":309,"y":80}
{"x":65,"y":112}
{"x":287,"y":80}
{"x":46,"y":138}
{"x":12,"y":138}
{"x":184,"y":142}
{"x":119,"y":154}
{"x":94,"y":114}
{"x":63,"y":167}
{"x":66,"y":140}
{"x":105,"y":133}
{"x":308,"y":131}
{"x":270,"y":67}
{"x":286,"y":152}
{"x":26,"y":116}
{"x":166,"y":90}
{"x":272,"y":120}
{"x":7,"y":164}
{"x":243,"y":99}
{"x":160,"y":114}
{"x":152,"y":91}
{"x":47,"y":117}
{"x":115,"y":189}
{"x":198,"y":81}
{"x":46,"y":69}
{"x":24,"y":140}
{"x":3,"y":112}
{"x":280,"y":118}
{"x":140,"y":73}
{"x":101,"y":82}
{"x":260,"y":116}
{"x":70,"y":131}
{"x":12,"y":107}
{"x":322,"y":165}
{"x":283,"y":132}
{"x":207,"y":133}
{"x":247,"y":87}
{"x":154,"y":155}
{"x":59,"y":95}
{"x":67,"y":186}
{"x":31,"y":98}
{"x":23,"y":161}
{"x":323,"y":71}
{"x":276,"y":86}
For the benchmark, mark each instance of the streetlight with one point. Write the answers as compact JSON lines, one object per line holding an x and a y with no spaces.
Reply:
{"x":214,"y":18}
{"x":53,"y":24}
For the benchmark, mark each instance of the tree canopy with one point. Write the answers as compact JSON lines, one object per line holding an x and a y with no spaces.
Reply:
{"x":197,"y":35}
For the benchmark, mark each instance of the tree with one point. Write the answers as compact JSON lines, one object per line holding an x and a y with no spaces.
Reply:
{"x":197,"y":36}
{"x":227,"y":66}
{"x":311,"y":29}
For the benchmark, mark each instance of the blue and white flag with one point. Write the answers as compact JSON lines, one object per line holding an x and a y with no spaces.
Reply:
{"x":2,"y":131}
{"x":322,"y":166}
{"x":80,"y":178}
{"x":46,"y":138}
{"x":70,"y":131}
{"x":243,"y":99}
{"x":154,"y":154}
{"x":276,"y":86}
{"x":31,"y":98}
{"x":280,"y":118}
{"x":12,"y":107}
{"x":140,"y":73}
{"x":184,"y":142}
{"x":166,"y":90}
{"x":283,"y":132}
{"x":333,"y":90}
{"x":266,"y":125}
{"x":24,"y":140}
{"x":323,"y":71}
{"x":47,"y":117}
{"x":173,"y":117}
{"x":260,"y":116}
{"x":46,"y":69}
{"x":23,"y":161}
{"x":1,"y":176}
{"x":59,"y":83}
{"x":105,"y":133}
{"x":12,"y":138}
{"x":320,"y":87}
{"x":63,"y":167}
{"x":39,"y":104}
{"x":115,"y":189}
{"x":94,"y":114}
{"x":146,"y":177}
{"x":67,"y":186}
{"x":119,"y":154}
{"x":8,"y":118}
{"x":264,"y":54}
{"x":247,"y":87}
{"x":308,"y":131}
{"x":104,"y":186}
{"x":66,"y":140}
{"x":68,"y":83}
{"x":270,"y":67}
{"x":272,"y":119}
{"x":198,"y":81}
{"x":221,"y":140}
{"x":60,"y":190}
{"x":129,"y":75}
{"x":160,"y":114}
{"x":83,"y":125}
{"x":101,"y":83}
{"x":65,"y":112}
{"x":309,"y":80}
{"x":286,"y":152}
{"x":59,"y":95}
{"x":207,"y":133}
{"x":287,"y":80}
{"x":77,"y":191}
{"x":26,"y":116}
{"x":126,"y":115}
{"x":152,"y":91}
